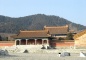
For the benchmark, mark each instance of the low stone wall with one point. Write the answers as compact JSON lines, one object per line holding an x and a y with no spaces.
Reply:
{"x":47,"y":51}
{"x":37,"y":49}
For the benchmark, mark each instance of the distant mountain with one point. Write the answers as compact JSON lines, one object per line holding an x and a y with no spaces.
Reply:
{"x":34,"y":22}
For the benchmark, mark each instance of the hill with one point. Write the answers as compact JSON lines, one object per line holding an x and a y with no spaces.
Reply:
{"x":34,"y":22}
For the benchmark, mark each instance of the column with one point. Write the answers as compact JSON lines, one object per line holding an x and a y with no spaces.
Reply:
{"x":15,"y":42}
{"x":35,"y":41}
{"x":42,"y":41}
{"x":19,"y":41}
{"x":47,"y":42}
{"x":26,"y":41}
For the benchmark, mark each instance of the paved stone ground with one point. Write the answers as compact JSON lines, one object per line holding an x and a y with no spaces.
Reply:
{"x":40,"y":56}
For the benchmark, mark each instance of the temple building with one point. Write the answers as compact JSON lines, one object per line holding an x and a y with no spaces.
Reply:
{"x":49,"y":36}
{"x":38,"y":37}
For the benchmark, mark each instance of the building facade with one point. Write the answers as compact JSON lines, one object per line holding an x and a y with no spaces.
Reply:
{"x":39,"y":37}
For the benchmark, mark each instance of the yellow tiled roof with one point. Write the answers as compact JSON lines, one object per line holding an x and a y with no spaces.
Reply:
{"x":57,"y":29}
{"x":79,"y":34}
{"x":31,"y":34}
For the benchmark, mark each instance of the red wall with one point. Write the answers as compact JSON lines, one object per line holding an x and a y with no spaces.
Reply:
{"x":63,"y":44}
{"x":7,"y":43}
{"x":60,"y":44}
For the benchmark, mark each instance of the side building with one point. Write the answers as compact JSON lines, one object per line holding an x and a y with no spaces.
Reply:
{"x":57,"y":31}
{"x":58,"y":35}
{"x":80,"y":39}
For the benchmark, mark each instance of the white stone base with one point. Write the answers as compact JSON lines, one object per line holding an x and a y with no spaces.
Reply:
{"x":82,"y":54}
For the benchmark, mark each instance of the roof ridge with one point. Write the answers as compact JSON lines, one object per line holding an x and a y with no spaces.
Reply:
{"x":55,"y":26}
{"x":34,"y":31}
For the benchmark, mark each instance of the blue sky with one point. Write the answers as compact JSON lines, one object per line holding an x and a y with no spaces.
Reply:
{"x":73,"y":10}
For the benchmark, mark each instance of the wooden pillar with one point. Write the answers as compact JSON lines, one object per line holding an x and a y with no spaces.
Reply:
{"x":26,"y":41}
{"x":42,"y":41}
{"x":47,"y":41}
{"x":15,"y":42}
{"x":35,"y":41}
{"x":19,"y":41}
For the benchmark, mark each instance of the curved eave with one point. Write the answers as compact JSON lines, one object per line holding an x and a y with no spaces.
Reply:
{"x":30,"y":37}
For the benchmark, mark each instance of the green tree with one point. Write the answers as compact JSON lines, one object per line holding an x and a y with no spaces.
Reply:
{"x":0,"y":38}
{"x":60,"y":38}
{"x":69,"y":36}
{"x":5,"y":38}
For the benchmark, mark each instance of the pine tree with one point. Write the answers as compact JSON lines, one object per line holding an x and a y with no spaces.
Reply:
{"x":69,"y":36}
{"x":0,"y":38}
